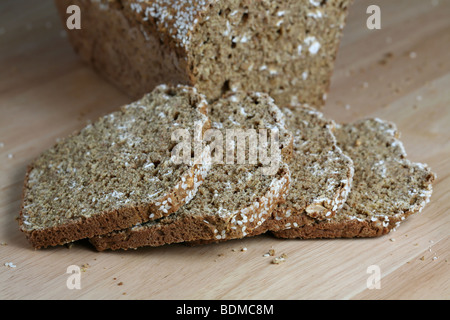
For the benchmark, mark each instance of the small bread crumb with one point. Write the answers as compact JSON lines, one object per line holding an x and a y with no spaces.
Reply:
{"x":271,"y":253}
{"x":10,"y":265}
{"x":280,"y":259}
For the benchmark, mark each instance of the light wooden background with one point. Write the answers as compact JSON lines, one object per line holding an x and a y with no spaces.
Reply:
{"x":400,"y":73}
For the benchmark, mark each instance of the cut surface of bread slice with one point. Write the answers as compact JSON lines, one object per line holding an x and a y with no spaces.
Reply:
{"x":387,"y":187}
{"x":114,"y":173}
{"x":321,"y":174}
{"x":235,"y":198}
{"x":286,"y":48}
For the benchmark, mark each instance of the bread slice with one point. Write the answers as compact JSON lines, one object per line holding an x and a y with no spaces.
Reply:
{"x":236,"y":198}
{"x":321,"y":174}
{"x":286,"y":48}
{"x":116,"y":172}
{"x":387,"y":187}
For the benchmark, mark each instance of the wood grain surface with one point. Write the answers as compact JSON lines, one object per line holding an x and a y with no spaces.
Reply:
{"x":400,"y":73}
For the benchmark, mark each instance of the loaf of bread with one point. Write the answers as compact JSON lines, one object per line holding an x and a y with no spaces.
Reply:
{"x":116,"y":172}
{"x":285,"y":48}
{"x":236,"y":198}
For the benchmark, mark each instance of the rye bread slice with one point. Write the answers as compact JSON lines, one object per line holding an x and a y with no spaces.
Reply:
{"x":387,"y":187}
{"x":321,"y":174}
{"x":235,"y":198}
{"x":115,"y":173}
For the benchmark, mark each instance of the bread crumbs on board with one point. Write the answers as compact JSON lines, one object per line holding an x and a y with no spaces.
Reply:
{"x":280,"y":259}
{"x":271,"y":253}
{"x":10,"y":265}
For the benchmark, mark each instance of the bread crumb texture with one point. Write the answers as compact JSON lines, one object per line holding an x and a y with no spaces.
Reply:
{"x":386,"y":189}
{"x":116,"y":172}
{"x":235,"y":198}
{"x":285,"y":48}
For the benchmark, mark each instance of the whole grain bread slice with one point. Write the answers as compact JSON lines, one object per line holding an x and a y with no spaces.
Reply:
{"x":116,"y":172}
{"x":387,"y":187}
{"x":321,"y":174}
{"x":236,"y":198}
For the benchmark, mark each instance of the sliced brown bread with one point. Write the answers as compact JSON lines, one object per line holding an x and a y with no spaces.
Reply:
{"x":387,"y":187}
{"x":116,"y":172}
{"x":286,"y":48}
{"x":321,"y":174}
{"x":235,"y":198}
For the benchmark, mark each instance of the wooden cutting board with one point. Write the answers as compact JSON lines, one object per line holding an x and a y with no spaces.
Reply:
{"x":400,"y":73}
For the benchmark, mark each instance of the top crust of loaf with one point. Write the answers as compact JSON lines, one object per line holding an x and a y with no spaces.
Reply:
{"x":114,"y":173}
{"x":176,"y":19}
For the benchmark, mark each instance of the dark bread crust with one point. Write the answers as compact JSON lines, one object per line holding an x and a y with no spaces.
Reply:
{"x":175,"y":232}
{"x":310,"y":228}
{"x":105,"y":222}
{"x":338,"y":229}
{"x":189,"y":228}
